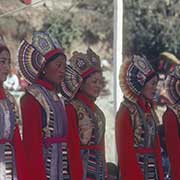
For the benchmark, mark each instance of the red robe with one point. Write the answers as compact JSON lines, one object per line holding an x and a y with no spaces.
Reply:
{"x":21,"y":163}
{"x":128,"y":164}
{"x":172,"y":140}
{"x":32,"y":136}
{"x":75,"y":144}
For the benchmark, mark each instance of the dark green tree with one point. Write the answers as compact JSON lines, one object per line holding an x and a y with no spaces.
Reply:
{"x":63,"y":27}
{"x":86,"y":21}
{"x":150,"y":27}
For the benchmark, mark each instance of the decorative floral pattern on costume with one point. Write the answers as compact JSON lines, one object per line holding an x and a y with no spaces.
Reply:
{"x":91,"y":131}
{"x":84,"y":122}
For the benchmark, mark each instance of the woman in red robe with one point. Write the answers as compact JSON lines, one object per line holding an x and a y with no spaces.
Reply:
{"x":171,"y":121}
{"x":12,"y":158}
{"x":88,"y":122}
{"x":137,"y":140}
{"x":45,"y":125}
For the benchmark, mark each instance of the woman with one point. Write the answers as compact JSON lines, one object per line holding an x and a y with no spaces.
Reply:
{"x":167,"y":64}
{"x":87,"y":121}
{"x":171,"y":122}
{"x":137,"y":138}
{"x":43,"y":114}
{"x":12,"y":158}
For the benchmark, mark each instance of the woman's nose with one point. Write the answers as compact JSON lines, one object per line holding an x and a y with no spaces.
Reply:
{"x":99,"y":85}
{"x":62,"y":70}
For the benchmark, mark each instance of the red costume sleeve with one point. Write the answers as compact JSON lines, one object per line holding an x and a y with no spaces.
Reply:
{"x":21,"y":162}
{"x":76,"y":167}
{"x":32,"y":136}
{"x":129,"y":167}
{"x":172,"y":142}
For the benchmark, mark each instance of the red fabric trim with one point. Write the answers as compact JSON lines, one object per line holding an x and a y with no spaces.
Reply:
{"x":3,"y":141}
{"x":45,"y":84}
{"x":21,"y":161}
{"x":76,"y":166}
{"x":32,"y":136}
{"x":151,"y":73}
{"x":159,"y":158}
{"x":171,"y":128}
{"x":86,"y":100}
{"x":144,"y":104}
{"x":125,"y":147}
{"x":54,"y":140}
{"x":76,"y":163}
{"x":128,"y":164}
{"x":2,"y":93}
{"x":53,"y":52}
{"x":89,"y":71}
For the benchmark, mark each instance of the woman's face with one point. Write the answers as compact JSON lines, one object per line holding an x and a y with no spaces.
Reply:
{"x":55,"y":70}
{"x":92,"y":86}
{"x":4,"y":65}
{"x":150,"y":88}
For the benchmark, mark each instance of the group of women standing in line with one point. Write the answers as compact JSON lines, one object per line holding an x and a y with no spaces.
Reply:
{"x":64,"y":140}
{"x":61,"y":140}
{"x":137,"y":137}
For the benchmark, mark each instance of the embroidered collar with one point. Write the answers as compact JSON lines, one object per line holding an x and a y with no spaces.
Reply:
{"x":2,"y":93}
{"x":86,"y":100}
{"x":45,"y":84}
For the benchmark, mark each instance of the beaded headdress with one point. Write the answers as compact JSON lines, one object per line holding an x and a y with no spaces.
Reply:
{"x":81,"y":66}
{"x":134,"y":74}
{"x":71,"y":83}
{"x":173,"y":86}
{"x":85,"y":64}
{"x":167,"y":62}
{"x":173,"y":89}
{"x":33,"y":57}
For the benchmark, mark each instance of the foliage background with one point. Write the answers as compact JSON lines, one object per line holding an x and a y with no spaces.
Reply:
{"x":151,"y":27}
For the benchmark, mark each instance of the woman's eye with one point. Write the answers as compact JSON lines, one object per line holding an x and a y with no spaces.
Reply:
{"x":5,"y":61}
{"x":58,"y":64}
{"x":2,"y":62}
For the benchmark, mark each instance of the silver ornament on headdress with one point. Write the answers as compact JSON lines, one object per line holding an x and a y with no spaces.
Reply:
{"x":142,"y":64}
{"x":82,"y":62}
{"x":44,"y":42}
